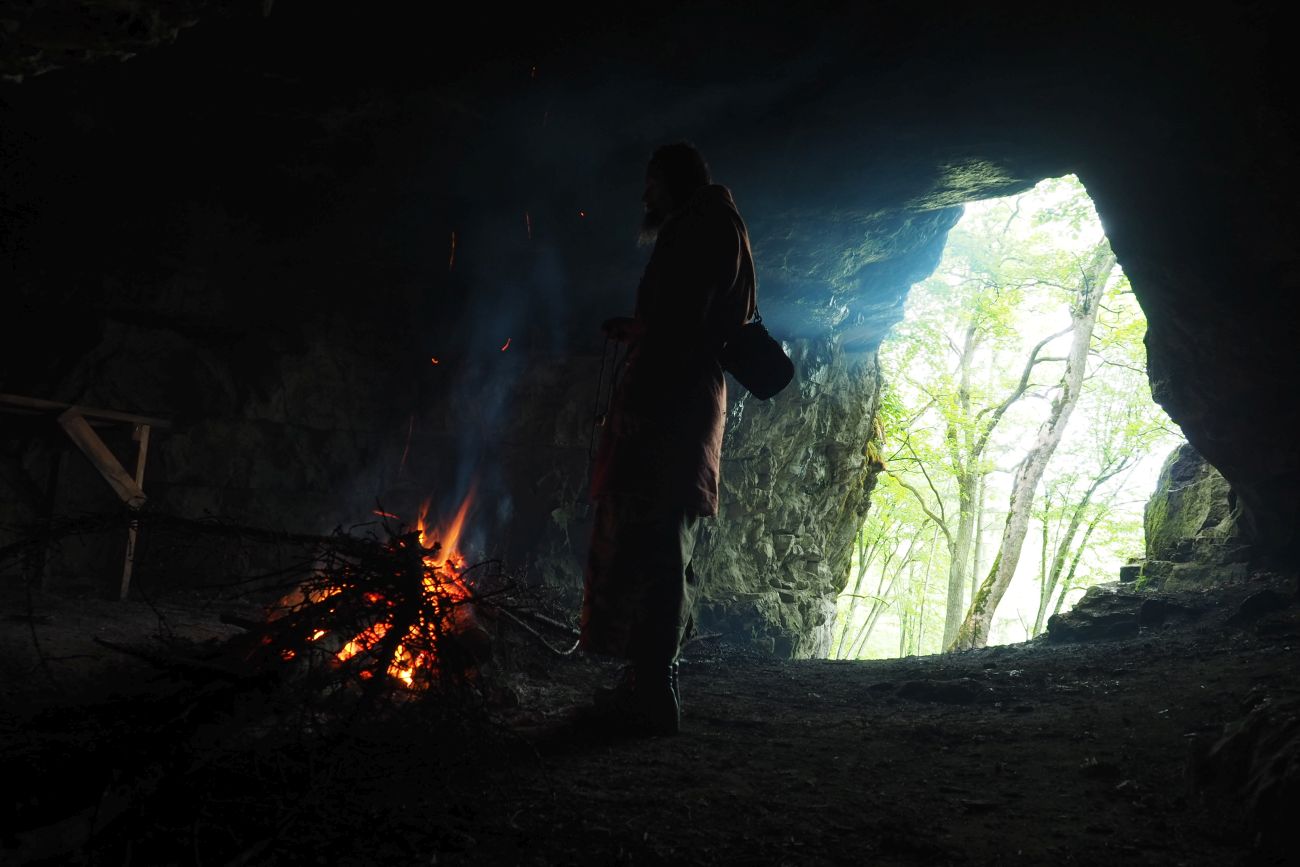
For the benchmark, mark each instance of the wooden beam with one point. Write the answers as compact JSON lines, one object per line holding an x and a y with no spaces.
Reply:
{"x":141,"y":436}
{"x":85,"y":438}
{"x":35,"y":404}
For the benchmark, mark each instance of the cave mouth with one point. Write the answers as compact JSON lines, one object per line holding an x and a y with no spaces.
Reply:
{"x":1017,"y":440}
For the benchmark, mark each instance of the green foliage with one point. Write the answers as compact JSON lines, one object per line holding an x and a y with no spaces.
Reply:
{"x":958,"y":408}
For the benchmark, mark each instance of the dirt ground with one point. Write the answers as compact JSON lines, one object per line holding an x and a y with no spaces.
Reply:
{"x":154,"y":751}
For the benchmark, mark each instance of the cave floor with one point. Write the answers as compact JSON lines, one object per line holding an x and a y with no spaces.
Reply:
{"x":1035,"y":753}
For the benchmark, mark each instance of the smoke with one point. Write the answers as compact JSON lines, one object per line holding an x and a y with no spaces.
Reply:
{"x":545,"y":206}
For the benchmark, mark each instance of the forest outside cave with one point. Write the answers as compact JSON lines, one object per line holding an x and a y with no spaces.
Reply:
{"x":1017,"y":442}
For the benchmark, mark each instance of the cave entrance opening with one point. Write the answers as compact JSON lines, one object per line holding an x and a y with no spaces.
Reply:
{"x":1016,"y":435}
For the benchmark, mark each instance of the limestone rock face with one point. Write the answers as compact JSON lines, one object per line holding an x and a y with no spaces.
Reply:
{"x":1110,"y":612}
{"x":795,"y":485}
{"x":1191,"y":526}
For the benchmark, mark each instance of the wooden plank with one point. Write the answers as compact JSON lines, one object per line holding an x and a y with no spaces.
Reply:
{"x":141,"y":436}
{"x":16,"y":401}
{"x":85,"y":438}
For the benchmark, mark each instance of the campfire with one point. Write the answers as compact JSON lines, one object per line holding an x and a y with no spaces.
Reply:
{"x":396,"y":610}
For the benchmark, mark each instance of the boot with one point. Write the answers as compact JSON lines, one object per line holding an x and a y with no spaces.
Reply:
{"x":619,"y":693}
{"x":656,"y":698}
{"x":674,"y":668}
{"x":644,"y":702}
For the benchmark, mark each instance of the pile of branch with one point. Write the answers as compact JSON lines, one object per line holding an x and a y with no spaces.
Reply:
{"x":354,"y":608}
{"x":376,"y":614}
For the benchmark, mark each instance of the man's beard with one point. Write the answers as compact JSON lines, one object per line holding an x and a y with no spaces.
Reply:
{"x":651,"y":223}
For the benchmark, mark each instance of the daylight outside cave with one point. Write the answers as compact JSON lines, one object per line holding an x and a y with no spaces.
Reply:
{"x":1018,"y":441}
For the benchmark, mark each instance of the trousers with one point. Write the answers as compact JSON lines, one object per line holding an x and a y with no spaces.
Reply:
{"x":639,"y":589}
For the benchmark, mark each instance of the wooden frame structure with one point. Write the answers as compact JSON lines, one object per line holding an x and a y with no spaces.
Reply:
{"x":79,"y":423}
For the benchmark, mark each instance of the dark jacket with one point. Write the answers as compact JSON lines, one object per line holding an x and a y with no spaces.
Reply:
{"x":663,"y":439}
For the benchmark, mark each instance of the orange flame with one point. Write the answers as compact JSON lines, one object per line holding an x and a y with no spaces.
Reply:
{"x":448,"y":538}
{"x":440,"y":580}
{"x":367,"y":639}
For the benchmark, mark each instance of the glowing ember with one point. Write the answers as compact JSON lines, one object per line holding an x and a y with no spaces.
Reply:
{"x":402,"y":621}
{"x":384,"y":514}
{"x":506,"y":345}
{"x":451,"y":260}
{"x":364,"y":641}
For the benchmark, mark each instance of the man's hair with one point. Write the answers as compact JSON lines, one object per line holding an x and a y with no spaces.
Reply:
{"x":681,"y":168}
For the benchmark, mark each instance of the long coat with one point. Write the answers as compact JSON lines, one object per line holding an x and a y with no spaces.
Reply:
{"x":663,"y":440}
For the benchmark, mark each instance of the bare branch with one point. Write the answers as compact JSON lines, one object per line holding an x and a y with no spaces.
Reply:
{"x":1015,"y":212}
{"x":1105,"y":363}
{"x":1016,"y":393}
{"x":920,"y":465}
{"x":920,"y":499}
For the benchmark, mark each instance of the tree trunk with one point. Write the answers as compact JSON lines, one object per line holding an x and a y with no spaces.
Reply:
{"x":1068,"y":581}
{"x":959,"y":442}
{"x":959,"y":556}
{"x":1052,"y":576}
{"x":877,"y":600}
{"x":866,"y":553}
{"x":974,"y":630}
{"x":879,"y":604}
{"x":903,"y":617}
{"x":925,"y":587}
{"x":977,"y":542}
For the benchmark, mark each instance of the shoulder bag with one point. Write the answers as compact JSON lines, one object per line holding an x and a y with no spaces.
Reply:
{"x":757,"y":361}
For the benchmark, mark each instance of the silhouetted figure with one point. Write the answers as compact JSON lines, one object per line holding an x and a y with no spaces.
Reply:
{"x":656,"y":471}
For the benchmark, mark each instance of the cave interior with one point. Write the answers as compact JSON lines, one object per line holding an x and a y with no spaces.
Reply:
{"x":344,"y":262}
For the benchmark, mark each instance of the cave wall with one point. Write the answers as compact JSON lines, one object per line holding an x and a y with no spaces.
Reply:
{"x":1191,"y":525}
{"x":248,"y":226}
{"x":795,"y":489}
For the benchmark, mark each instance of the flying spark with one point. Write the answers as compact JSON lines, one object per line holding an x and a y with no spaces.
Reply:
{"x":528,"y":221}
{"x":451,"y":261}
{"x":410,"y":429}
{"x":506,"y":345}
